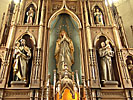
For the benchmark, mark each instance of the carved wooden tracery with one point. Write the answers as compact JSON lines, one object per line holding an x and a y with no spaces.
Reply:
{"x":86,"y":83}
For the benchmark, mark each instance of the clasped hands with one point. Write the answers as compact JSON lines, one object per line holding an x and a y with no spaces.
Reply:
{"x":64,"y":38}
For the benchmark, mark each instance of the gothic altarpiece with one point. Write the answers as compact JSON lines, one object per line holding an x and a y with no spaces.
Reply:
{"x":64,"y":50}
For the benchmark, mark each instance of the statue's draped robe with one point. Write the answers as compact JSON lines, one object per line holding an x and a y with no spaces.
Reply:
{"x":98,"y":18}
{"x":24,"y":60}
{"x":30,"y":15}
{"x":22,"y":56}
{"x":106,"y":64}
{"x":64,"y":54}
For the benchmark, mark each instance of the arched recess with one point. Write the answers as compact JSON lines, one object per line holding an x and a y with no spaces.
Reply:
{"x":97,"y":44}
{"x":98,"y":6}
{"x":28,"y":4}
{"x":31,"y":44}
{"x":27,"y":8}
{"x":31,"y":36}
{"x":64,"y":20}
{"x":66,"y":11}
{"x":97,"y":39}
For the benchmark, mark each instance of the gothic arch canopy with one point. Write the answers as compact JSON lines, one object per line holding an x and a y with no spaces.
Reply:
{"x":28,"y":4}
{"x":97,"y":39}
{"x":100,"y":7}
{"x":66,"y":11}
{"x":28,"y":33}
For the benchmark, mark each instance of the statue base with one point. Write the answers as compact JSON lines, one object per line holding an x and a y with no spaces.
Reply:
{"x":110,"y":84}
{"x":18,"y":84}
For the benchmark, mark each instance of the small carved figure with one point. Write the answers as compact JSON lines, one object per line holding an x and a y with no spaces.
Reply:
{"x":64,"y":52}
{"x":21,"y":56}
{"x":130,"y":69}
{"x":30,"y":15}
{"x":98,"y":17}
{"x":16,"y":62}
{"x":106,"y":53}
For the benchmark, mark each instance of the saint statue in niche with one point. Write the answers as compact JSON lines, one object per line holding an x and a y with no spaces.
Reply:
{"x":21,"y":56}
{"x":130,"y":69}
{"x":64,"y":52}
{"x":106,"y":54}
{"x":30,"y":15}
{"x":98,"y":17}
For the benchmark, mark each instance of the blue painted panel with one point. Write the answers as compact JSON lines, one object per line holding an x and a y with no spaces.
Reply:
{"x":64,"y":22}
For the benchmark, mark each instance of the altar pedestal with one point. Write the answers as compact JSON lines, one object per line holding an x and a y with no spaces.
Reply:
{"x":110,"y":84}
{"x":18,"y":84}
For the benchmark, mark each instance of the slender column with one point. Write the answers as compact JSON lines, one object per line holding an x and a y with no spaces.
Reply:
{"x":77,"y":80}
{"x":36,"y":95}
{"x":32,"y":95}
{"x":22,"y":12}
{"x":85,"y":94}
{"x":39,"y":5}
{"x":3,"y":26}
{"x":12,"y":29}
{"x":93,"y":95}
{"x":117,"y":37}
{"x":48,"y":86}
{"x":131,"y":93}
{"x":115,"y":31}
{"x":83,"y":68}
{"x":88,"y":33}
{"x":40,"y":34}
{"x":110,"y":13}
{"x":44,"y":71}
{"x":127,"y":95}
{"x":88,"y":28}
{"x":20,"y":9}
{"x":123,"y":32}
{"x":107,"y":7}
{"x":54,"y":86}
{"x":45,"y":67}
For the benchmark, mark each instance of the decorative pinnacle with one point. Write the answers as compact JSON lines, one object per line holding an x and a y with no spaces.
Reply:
{"x":64,"y":2}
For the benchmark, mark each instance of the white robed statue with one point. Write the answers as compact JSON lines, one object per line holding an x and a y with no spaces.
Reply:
{"x":21,"y":56}
{"x":106,"y":54}
{"x":30,"y":15}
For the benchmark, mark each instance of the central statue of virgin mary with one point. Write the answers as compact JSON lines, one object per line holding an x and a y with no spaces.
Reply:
{"x":64,"y":52}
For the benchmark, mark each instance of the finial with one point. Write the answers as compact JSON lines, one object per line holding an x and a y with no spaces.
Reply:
{"x":64,"y":4}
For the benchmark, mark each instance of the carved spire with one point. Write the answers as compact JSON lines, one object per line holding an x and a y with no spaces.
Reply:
{"x":64,"y":4}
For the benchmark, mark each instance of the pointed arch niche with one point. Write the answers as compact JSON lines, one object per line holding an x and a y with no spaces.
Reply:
{"x":64,"y":22}
{"x":31,"y":43}
{"x":115,"y":74}
{"x":100,"y":8}
{"x":33,"y":6}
